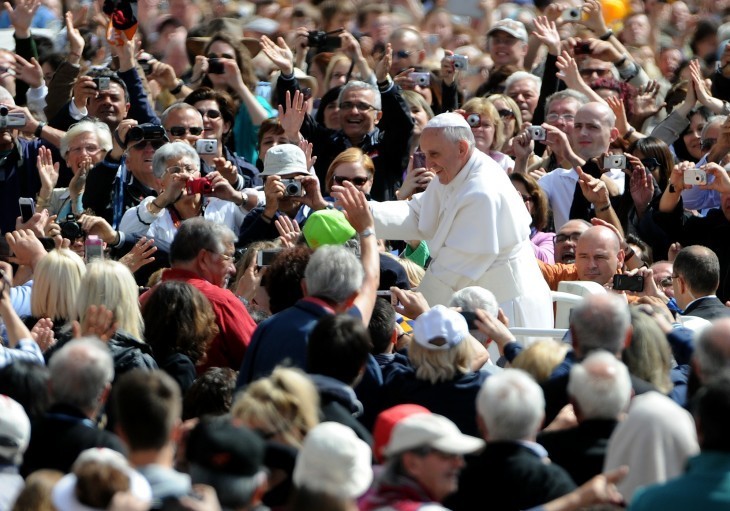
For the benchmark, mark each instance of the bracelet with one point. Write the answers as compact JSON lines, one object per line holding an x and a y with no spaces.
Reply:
{"x":605,"y":208}
{"x":607,"y":35}
{"x":39,"y":130}
{"x":176,"y":90}
{"x":266,"y":219}
{"x":628,"y":134}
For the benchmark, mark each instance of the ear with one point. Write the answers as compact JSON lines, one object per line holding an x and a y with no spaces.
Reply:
{"x":421,"y":56}
{"x":463,"y":147}
{"x":378,"y":116}
{"x":614,"y":133}
{"x":620,"y":256}
{"x":629,"y":336}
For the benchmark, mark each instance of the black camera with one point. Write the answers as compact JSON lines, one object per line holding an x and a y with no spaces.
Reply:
{"x":71,"y":229}
{"x":146,"y":132}
{"x":215,"y":66}
{"x":320,"y":38}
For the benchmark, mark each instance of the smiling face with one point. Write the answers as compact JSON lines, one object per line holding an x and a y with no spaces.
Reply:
{"x":182,"y":123}
{"x":566,"y":239}
{"x":213,"y":124}
{"x":444,"y":158}
{"x":506,"y":49}
{"x":109,"y":106}
{"x":438,"y":472}
{"x":693,"y":137}
{"x":355,"y":173}
{"x":358,"y":117}
{"x":526,"y":94}
{"x":593,"y":131}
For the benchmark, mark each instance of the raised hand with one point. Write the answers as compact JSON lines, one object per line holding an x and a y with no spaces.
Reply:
{"x":292,"y":118}
{"x":289,"y":231}
{"x":76,"y":41}
{"x":645,"y":102}
{"x":547,"y":33}
{"x":641,"y":185}
{"x":593,"y":189}
{"x":78,"y":182}
{"x":47,"y":171}
{"x":98,"y":322}
{"x":568,"y":71}
{"x":21,"y":16}
{"x":280,"y":54}
{"x":593,"y":18}
{"x":619,"y":110}
{"x":308,"y":148}
{"x":30,"y":72}
{"x":42,"y":333}
{"x":355,"y":206}
{"x":448,"y":69}
{"x":141,"y":254}
{"x":382,"y":68}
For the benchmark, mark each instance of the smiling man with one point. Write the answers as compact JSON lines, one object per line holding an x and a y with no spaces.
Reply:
{"x":476,"y":226}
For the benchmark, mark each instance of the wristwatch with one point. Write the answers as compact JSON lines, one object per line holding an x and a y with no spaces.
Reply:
{"x":367,"y":232}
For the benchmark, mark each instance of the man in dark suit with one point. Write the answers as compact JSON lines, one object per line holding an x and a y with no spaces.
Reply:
{"x":695,"y":282}
{"x":600,"y":390}
{"x":513,"y":471}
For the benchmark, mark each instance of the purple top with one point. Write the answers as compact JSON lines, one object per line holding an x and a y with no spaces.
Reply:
{"x":543,"y":245}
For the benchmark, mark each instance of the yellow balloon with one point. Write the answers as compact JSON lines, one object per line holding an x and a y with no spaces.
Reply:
{"x":614,"y":10}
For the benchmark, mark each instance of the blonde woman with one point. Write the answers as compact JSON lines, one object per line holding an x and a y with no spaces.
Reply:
{"x":511,"y":117}
{"x":351,"y":165}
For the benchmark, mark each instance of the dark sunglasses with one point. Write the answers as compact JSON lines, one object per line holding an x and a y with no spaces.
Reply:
{"x":221,"y":56}
{"x":402,"y":54}
{"x":212,"y":114}
{"x":156,"y":144}
{"x":503,"y":112}
{"x":179,"y":131}
{"x":357,"y":181}
{"x":650,"y":163}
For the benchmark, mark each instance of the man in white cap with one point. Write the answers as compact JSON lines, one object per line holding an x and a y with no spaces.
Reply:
{"x":424,"y":460}
{"x":476,"y":226}
{"x":507,"y":43}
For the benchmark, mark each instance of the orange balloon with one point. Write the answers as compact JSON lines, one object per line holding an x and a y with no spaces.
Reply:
{"x":614,"y":10}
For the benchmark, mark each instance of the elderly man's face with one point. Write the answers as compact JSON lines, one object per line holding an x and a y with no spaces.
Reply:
{"x":84,"y":147}
{"x":561,"y":114}
{"x":506,"y":49}
{"x":566,"y":240}
{"x":598,"y":255}
{"x":437,"y":472}
{"x":443,"y":158}
{"x":184,"y":125}
{"x":592,"y":131}
{"x":525,"y":93}
{"x":358,"y":116}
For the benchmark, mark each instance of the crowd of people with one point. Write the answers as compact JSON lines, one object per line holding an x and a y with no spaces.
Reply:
{"x":303,"y":256}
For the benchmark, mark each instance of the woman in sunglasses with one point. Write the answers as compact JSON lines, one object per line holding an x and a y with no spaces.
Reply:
{"x":354,"y":166}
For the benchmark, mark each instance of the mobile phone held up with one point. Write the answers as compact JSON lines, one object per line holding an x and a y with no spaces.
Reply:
{"x":27,"y":208}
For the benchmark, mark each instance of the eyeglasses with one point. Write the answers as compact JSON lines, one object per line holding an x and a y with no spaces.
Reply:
{"x":142,"y":144}
{"x":179,"y":131}
{"x":402,"y":54}
{"x":562,"y":238}
{"x":211,"y":114}
{"x":179,"y":169}
{"x":221,"y":56}
{"x":89,"y":149}
{"x":505,"y":113}
{"x":556,"y":117}
{"x":225,"y":257}
{"x":362,"y":107}
{"x":666,"y":282}
{"x":357,"y":181}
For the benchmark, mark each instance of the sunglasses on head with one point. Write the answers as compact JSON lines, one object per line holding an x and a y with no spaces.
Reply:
{"x":212,"y":114}
{"x":357,"y":181}
{"x":179,"y":131}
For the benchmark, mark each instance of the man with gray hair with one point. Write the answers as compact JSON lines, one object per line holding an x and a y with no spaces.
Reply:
{"x":201,"y":254}
{"x":476,"y":227}
{"x":513,"y":469}
{"x":375,"y":119}
{"x":524,"y":89}
{"x":600,"y":390}
{"x":81,"y":374}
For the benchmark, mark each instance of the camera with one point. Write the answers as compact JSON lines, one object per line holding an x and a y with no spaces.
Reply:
{"x":215,"y":66}
{"x":145,"y":132}
{"x":94,"y":248}
{"x":320,"y":38}
{"x":582,"y":48}
{"x":71,"y":229}
{"x":628,"y":283}
{"x":537,"y":133}
{"x":11,"y":120}
{"x":695,"y":177}
{"x":206,"y":146}
{"x":572,"y":14}
{"x":421,"y":79}
{"x":102,"y":82}
{"x":474,"y":120}
{"x":266,"y":256}
{"x":614,"y":161}
{"x":460,"y":61}
{"x":292,"y":188}
{"x":198,"y":186}
{"x":146,"y":65}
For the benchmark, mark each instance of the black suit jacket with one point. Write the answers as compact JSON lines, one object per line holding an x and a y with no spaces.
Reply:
{"x":708,"y":307}
{"x":579,"y":450}
{"x":508,"y":476}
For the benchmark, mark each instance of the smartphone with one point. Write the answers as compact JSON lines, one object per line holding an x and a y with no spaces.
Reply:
{"x":419,"y":160}
{"x":27,"y":208}
{"x":266,"y":257}
{"x":628,"y":283}
{"x":94,"y":248}
{"x":470,"y":318}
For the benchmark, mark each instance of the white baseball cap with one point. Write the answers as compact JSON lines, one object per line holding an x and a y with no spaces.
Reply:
{"x":440,"y":328}
{"x":431,"y":430}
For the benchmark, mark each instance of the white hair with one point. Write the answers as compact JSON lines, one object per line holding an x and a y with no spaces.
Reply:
{"x":170,"y":151}
{"x":474,"y":297}
{"x":512,"y":405}
{"x":333,"y":272}
{"x":601,"y":386}
{"x":98,"y":128}
{"x":522,"y":75}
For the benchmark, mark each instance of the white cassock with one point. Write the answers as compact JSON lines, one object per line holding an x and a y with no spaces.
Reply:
{"x":478,"y":232}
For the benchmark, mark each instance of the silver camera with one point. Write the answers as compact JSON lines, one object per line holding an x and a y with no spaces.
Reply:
{"x":206,"y":146}
{"x":460,"y":61}
{"x":614,"y":161}
{"x":572,"y":14}
{"x":695,"y":177}
{"x":292,"y":188}
{"x":537,"y":133}
{"x":421,"y":79}
{"x":11,"y":119}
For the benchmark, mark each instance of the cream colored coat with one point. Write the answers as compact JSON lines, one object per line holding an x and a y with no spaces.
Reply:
{"x":477,"y":229}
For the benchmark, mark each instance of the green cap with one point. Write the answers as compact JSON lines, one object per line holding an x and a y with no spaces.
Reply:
{"x":327,"y":227}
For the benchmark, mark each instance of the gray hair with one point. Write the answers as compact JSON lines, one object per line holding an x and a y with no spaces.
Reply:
{"x":600,"y":322}
{"x":333,"y":272}
{"x":98,"y":128}
{"x":79,"y":373}
{"x":579,"y":97}
{"x":196,"y":234}
{"x":178,"y":106}
{"x":474,"y":297}
{"x":169,"y":151}
{"x":522,"y":75}
{"x":600,"y":385}
{"x":715,"y":119}
{"x":359,"y":85}
{"x":511,"y":404}
{"x":712,"y":349}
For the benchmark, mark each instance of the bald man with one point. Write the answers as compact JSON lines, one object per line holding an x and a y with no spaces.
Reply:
{"x":598,"y":257}
{"x":593,"y":131}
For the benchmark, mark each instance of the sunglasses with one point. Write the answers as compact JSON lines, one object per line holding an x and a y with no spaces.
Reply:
{"x":221,"y":56}
{"x":212,"y":114}
{"x":503,"y":112}
{"x":402,"y":54}
{"x":179,"y":131}
{"x":156,"y":144}
{"x":357,"y":181}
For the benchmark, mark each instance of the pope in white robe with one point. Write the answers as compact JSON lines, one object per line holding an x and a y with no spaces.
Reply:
{"x":476,"y":226}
